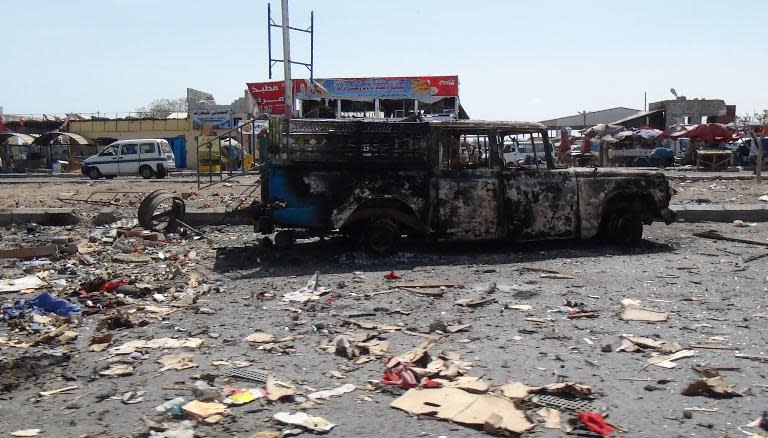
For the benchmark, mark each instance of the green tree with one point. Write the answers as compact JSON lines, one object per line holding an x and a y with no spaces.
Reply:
{"x":162,"y":108}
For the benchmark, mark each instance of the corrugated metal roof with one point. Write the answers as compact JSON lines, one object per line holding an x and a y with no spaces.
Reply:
{"x":47,"y":137}
{"x":593,"y":117}
{"x":27,"y":139}
{"x":637,"y":115}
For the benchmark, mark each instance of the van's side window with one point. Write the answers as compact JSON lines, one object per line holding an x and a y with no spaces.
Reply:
{"x":147,"y":148}
{"x":129,"y":149}
{"x":109,"y":151}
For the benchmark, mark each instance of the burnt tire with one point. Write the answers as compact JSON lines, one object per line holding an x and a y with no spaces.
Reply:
{"x":94,"y":173}
{"x":146,"y":172}
{"x":381,"y":237}
{"x":625,"y":228}
{"x":160,"y":210}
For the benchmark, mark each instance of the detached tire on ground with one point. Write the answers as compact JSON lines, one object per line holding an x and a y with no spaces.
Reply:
{"x":146,"y":172}
{"x":381,"y":236}
{"x":160,"y":210}
{"x":625,"y":228}
{"x":94,"y":173}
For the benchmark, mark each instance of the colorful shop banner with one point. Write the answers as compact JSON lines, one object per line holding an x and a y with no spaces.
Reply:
{"x":428,"y":89}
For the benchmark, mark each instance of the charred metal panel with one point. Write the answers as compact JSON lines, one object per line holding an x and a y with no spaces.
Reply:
{"x":405,"y":191}
{"x":540,"y":204}
{"x":315,"y":197}
{"x":467,"y":207}
{"x":352,"y":143}
{"x":597,"y":189}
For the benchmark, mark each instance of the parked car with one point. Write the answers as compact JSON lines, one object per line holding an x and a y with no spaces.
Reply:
{"x":144,"y":157}
{"x":516,"y":151}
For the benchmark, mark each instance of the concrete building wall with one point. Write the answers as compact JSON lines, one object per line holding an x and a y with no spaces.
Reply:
{"x":696,"y":110}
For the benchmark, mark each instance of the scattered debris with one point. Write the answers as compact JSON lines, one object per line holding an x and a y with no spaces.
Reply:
{"x":454,"y":404}
{"x":328,"y":393}
{"x":179,"y":361}
{"x":668,"y":361}
{"x":315,"y":424}
{"x":58,"y":391}
{"x":311,"y":291}
{"x":21,"y":284}
{"x":714,"y":387}
{"x":26,"y":432}
{"x":632,"y":313}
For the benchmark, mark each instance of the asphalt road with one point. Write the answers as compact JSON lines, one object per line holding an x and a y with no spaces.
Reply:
{"x":711,"y":293}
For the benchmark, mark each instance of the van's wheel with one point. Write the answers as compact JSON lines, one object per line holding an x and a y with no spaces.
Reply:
{"x":146,"y":172}
{"x":110,"y":176}
{"x":625,"y":228}
{"x":381,"y":236}
{"x":94,"y":173}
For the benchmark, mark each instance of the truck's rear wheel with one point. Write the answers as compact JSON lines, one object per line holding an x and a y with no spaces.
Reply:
{"x":625,"y":228}
{"x":381,"y":236}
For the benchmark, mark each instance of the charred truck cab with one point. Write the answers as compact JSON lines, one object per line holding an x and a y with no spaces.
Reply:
{"x":377,"y":181}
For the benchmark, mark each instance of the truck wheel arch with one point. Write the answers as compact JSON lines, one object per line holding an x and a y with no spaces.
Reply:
{"x":638,"y":202}
{"x":396,"y":209}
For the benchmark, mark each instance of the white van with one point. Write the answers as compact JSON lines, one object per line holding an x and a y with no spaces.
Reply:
{"x":145,"y":157}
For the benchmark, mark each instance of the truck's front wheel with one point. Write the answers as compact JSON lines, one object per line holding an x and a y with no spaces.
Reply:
{"x":381,"y":236}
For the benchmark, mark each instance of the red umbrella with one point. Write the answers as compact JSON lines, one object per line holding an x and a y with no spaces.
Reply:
{"x":707,"y":133}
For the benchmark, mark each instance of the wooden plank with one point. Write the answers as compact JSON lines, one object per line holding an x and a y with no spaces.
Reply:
{"x":427,"y":286}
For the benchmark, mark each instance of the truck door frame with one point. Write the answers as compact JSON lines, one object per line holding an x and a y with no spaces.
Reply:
{"x":449,"y":168}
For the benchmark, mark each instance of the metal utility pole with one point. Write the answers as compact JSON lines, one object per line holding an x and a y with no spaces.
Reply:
{"x":287,"y":61}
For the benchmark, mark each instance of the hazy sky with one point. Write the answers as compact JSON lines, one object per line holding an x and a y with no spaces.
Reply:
{"x":516,"y":60}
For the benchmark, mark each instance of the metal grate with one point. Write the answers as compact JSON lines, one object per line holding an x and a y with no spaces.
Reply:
{"x":257,"y":376}
{"x":564,"y":404}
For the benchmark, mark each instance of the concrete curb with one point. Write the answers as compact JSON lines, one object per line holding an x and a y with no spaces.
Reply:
{"x":721,"y":212}
{"x":40,"y":216}
{"x":214,"y":216}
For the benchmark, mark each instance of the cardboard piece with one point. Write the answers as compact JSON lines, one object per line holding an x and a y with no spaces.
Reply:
{"x":668,"y":361}
{"x":467,"y":383}
{"x":315,"y":424}
{"x":412,"y":356}
{"x":632,"y":313}
{"x":260,"y":338}
{"x":159,"y":343}
{"x":517,"y":390}
{"x":277,"y":390}
{"x":23,"y":283}
{"x":714,"y":387}
{"x":457,"y":405}
{"x":551,"y":417}
{"x":204,"y":410}
{"x":180,"y":361}
{"x":328,"y":393}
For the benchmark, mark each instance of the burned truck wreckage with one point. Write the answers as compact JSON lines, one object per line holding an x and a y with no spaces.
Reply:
{"x":376,"y":181}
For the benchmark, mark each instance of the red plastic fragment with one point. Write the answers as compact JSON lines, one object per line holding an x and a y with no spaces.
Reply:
{"x":596,"y":423}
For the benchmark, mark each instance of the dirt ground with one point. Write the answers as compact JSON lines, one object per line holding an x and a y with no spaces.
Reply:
{"x":723,"y":191}
{"x":123,"y":192}
{"x":224,"y":288}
